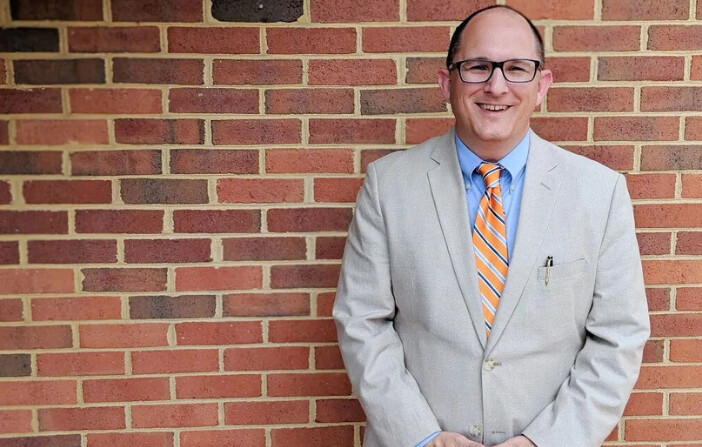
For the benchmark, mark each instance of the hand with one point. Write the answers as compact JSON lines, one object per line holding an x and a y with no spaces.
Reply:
{"x":450,"y":439}
{"x":517,"y":441}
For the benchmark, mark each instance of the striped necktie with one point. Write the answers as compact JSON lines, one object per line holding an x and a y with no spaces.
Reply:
{"x":490,"y":243}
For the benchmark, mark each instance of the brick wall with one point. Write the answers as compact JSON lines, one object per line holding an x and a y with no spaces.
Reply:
{"x":174,"y":192}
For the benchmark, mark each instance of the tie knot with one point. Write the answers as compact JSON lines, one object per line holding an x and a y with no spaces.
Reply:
{"x":490,"y":173}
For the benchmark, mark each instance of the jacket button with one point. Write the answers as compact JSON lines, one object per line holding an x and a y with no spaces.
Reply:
{"x":489,"y":364}
{"x":475,"y":431}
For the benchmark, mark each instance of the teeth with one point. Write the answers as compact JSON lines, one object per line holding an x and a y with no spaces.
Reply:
{"x":493,"y":107}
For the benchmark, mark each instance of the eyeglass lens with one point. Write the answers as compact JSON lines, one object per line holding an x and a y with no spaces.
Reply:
{"x":515,"y":70}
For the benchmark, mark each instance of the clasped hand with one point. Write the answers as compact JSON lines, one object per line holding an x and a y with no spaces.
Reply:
{"x":450,"y":439}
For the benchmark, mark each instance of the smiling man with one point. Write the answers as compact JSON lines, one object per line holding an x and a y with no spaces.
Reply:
{"x":491,"y":291}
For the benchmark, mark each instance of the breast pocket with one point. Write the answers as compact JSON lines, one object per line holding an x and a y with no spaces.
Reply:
{"x":562,"y":272}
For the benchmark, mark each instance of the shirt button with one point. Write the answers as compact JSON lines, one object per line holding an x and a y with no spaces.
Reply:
{"x":489,"y":364}
{"x":475,"y":431}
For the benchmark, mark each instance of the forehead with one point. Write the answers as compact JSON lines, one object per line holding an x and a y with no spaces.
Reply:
{"x":498,"y":34}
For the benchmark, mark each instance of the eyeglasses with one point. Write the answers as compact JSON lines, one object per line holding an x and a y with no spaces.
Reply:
{"x":475,"y":71}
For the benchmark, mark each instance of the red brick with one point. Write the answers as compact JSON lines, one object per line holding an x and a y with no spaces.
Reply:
{"x":33,"y":222}
{"x":569,"y":69}
{"x":156,"y":11}
{"x":671,"y":157}
{"x":591,"y":99}
{"x":653,"y":351}
{"x":666,"y":99}
{"x":693,"y":128}
{"x":80,"y":364}
{"x":265,"y":359}
{"x":266,"y":304}
{"x":67,"y":191}
{"x":174,"y":361}
{"x":334,"y":436}
{"x":692,"y":185}
{"x":302,"y":331}
{"x":89,"y":10}
{"x":309,"y":219}
{"x":15,"y":421}
{"x":119,"y":221}
{"x":332,"y":11}
{"x":215,"y":40}
{"x":30,"y":162}
{"x":636,"y":128}
{"x":443,"y":10}
{"x":29,"y":281}
{"x":164,"y":190}
{"x":644,"y":404}
{"x":220,"y":438}
{"x":167,"y":250}
{"x":554,"y":9}
{"x":217,"y":221}
{"x":654,"y":243}
{"x":676,"y":325}
{"x":123,"y":335}
{"x":686,"y":403}
{"x":89,"y":418}
{"x":174,"y":415}
{"x":256,"y":131}
{"x":115,"y":101}
{"x":53,"y":72}
{"x":5,"y":198}
{"x":309,"y":101}
{"x":158,"y":71}
{"x":43,"y":441}
{"x":72,"y":251}
{"x":402,"y":100}
{"x":281,"y":161}
{"x":212,"y":100}
{"x":674,"y":37}
{"x":556,"y":128}
{"x":153,"y":439}
{"x":45,"y":392}
{"x":392,"y":39}
{"x":686,"y":350}
{"x":113,"y":163}
{"x":4,"y":132}
{"x":214,"y":161}
{"x":419,"y":130}
{"x":76,"y":308}
{"x":218,"y":386}
{"x":125,"y":39}
{"x":675,"y":272}
{"x":644,"y":10}
{"x":124,"y":279}
{"x":9,"y":252}
{"x":423,"y":70}
{"x":267,"y":413}
{"x":35,"y":337}
{"x":61,"y":132}
{"x":328,"y":357}
{"x":3,"y":72}
{"x":339,"y":410}
{"x":171,"y":307}
{"x":309,"y":384}
{"x":596,"y":38}
{"x":668,"y":215}
{"x":658,"y":299}
{"x":218,"y":278}
{"x":126,"y":390}
{"x":351,"y":131}
{"x":640,"y":68}
{"x":257,"y":72}
{"x":157,"y":131}
{"x":656,"y":377}
{"x":348,"y":72}
{"x":330,"y":247}
{"x":662,"y":429}
{"x":37,"y":100}
{"x":311,"y":40}
{"x":11,"y":309}
{"x":264,"y":249}
{"x":216,"y":333}
{"x":336,"y":189}
{"x":651,"y":186}
{"x":689,"y":243}
{"x":265,"y":190}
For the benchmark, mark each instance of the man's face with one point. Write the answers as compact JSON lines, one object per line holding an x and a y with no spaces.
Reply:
{"x":493,"y":116}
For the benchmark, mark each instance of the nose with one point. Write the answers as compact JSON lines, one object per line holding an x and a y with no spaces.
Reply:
{"x":497,"y":84}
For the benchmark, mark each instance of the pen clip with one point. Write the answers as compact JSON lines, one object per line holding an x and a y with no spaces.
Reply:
{"x":549,"y":264}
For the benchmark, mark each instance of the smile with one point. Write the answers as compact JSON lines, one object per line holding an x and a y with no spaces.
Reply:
{"x":493,"y":107}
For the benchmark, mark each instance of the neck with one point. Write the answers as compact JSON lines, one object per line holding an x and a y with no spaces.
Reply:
{"x":491,"y":151}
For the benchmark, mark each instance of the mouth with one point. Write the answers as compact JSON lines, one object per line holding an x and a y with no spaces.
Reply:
{"x":493,"y":107}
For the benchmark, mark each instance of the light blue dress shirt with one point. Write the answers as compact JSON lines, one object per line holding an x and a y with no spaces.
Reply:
{"x":511,"y":185}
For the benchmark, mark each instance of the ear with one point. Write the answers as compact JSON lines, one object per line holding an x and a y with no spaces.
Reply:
{"x":444,"y":77}
{"x":545,"y":82}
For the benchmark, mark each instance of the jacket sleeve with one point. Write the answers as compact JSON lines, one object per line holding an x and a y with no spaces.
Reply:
{"x":591,"y":401}
{"x":373,"y":353}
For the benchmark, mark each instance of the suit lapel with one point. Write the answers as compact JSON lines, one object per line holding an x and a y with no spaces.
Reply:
{"x":541,"y":185}
{"x":448,"y":192}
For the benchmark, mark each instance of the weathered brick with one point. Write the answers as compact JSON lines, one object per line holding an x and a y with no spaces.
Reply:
{"x":644,"y":10}
{"x":674,"y":37}
{"x":265,"y":304}
{"x":35,"y":337}
{"x":15,"y":365}
{"x":692,"y":186}
{"x":348,"y":131}
{"x":402,"y":100}
{"x":668,"y":99}
{"x":309,"y":219}
{"x":351,"y":12}
{"x":693,"y":128}
{"x":15,"y":421}
{"x":332,"y":436}
{"x":43,"y":441}
{"x":339,"y":410}
{"x":123,"y":335}
{"x":342,"y":189}
{"x":4,"y":128}
{"x":158,"y":71}
{"x":328,"y":357}
{"x":654,"y":243}
{"x":264,"y":190}
{"x":688,"y":298}
{"x":162,"y":190}
{"x":156,"y":11}
{"x":640,"y":68}
{"x":696,"y":68}
{"x":115,"y":101}
{"x":5,"y":196}
{"x":124,"y":279}
{"x":308,"y":160}
{"x":11,"y":309}
{"x":126,"y":390}
{"x":218,"y":278}
{"x":126,"y":39}
{"x":329,"y":247}
{"x":266,"y":359}
{"x":217,"y":438}
{"x":33,"y":222}
{"x":250,"y":11}
{"x":257,"y":72}
{"x":614,"y":157}
{"x":174,"y":415}
{"x":32,"y":281}
{"x":300,"y":276}
{"x":653,"y":351}
{"x":443,"y":10}
{"x":37,"y":100}
{"x":658,"y":299}
{"x":67,"y":191}
{"x":644,"y":404}
{"x":119,"y":221}
{"x":554,"y":9}
{"x":215,"y":40}
{"x":72,"y":251}
{"x":672,"y":215}
{"x":218,"y":386}
{"x":636,"y":128}
{"x":156,"y":131}
{"x":686,"y":350}
{"x":306,"y":384}
{"x":172,"y":307}
{"x":423,"y":70}
{"x":267,"y":413}
{"x":146,"y":251}
{"x":88,"y":418}
{"x":174,"y":361}
{"x":309,"y":101}
{"x":569,"y":69}
{"x":689,"y":243}
{"x":217,"y":221}
{"x":88,"y":10}
{"x":556,"y":128}
{"x":348,"y":72}
{"x":9,"y":252}
{"x":676,"y":325}
{"x":682,"y":271}
{"x":76,"y":308}
{"x":65,"y":71}
{"x":591,"y":99}
{"x":30,"y":162}
{"x":418,"y":130}
{"x":671,"y":157}
{"x":212,"y":100}
{"x":311,"y":40}
{"x":686,"y":403}
{"x":256,"y":131}
{"x":214,"y":161}
{"x":50,"y":392}
{"x":389,"y":39}
{"x":26,"y":39}
{"x":662,"y":429}
{"x":264,"y":248}
{"x":114,"y":163}
{"x":61,"y":132}
{"x":126,"y":439}
{"x":596,"y":38}
{"x":651,"y":186}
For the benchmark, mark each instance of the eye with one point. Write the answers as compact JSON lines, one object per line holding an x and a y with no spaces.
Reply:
{"x":476,"y":66}
{"x":518,"y":68}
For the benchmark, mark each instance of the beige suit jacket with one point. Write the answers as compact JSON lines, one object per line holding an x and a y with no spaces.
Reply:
{"x":562,"y":358}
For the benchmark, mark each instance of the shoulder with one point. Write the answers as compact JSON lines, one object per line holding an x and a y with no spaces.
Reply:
{"x":417,"y":158}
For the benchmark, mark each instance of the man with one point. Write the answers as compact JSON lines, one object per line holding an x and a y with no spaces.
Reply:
{"x":491,"y":290}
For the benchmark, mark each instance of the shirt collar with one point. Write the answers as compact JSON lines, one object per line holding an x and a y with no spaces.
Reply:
{"x":513,"y":162}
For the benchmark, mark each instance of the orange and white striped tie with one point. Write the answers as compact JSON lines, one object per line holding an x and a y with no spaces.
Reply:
{"x":490,"y":243}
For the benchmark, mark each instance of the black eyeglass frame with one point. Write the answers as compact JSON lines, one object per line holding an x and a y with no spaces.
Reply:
{"x":495,"y":65}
